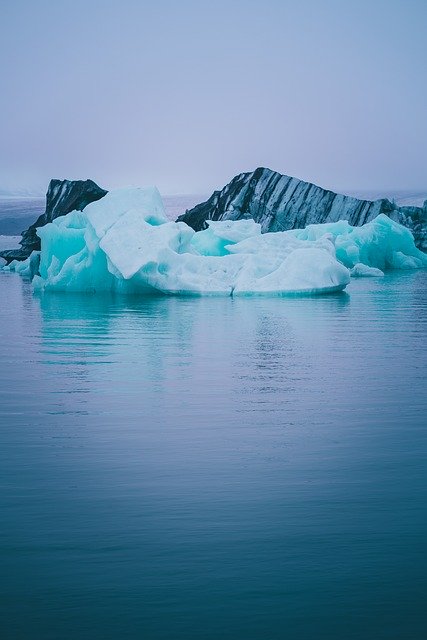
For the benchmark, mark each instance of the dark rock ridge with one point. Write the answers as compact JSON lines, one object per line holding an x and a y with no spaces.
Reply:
{"x":62,"y":197}
{"x":279,"y":203}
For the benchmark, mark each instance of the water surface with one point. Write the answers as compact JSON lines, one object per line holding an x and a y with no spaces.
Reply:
{"x":214,"y":468}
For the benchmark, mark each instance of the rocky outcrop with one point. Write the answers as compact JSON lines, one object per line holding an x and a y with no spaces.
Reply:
{"x":278,"y":203}
{"x":62,"y":197}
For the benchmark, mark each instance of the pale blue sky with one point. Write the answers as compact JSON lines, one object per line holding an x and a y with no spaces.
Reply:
{"x":187,"y":94}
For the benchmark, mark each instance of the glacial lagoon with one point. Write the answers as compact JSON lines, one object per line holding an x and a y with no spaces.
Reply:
{"x":214,"y":467}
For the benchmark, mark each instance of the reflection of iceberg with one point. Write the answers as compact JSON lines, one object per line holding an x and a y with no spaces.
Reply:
{"x":125,"y":243}
{"x":112,"y":330}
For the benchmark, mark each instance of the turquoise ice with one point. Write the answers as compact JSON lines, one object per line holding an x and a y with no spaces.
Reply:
{"x":125,"y":243}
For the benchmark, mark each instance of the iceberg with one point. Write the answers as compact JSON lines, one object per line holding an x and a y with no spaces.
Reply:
{"x":363,"y":271}
{"x":26,"y":268}
{"x":124,"y":243}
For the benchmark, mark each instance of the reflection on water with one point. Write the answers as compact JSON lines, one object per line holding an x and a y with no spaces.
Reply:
{"x":214,"y":468}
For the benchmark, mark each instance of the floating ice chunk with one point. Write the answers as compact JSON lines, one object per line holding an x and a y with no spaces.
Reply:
{"x":124,"y":243}
{"x":26,"y":268}
{"x":135,"y":255}
{"x":363,"y":271}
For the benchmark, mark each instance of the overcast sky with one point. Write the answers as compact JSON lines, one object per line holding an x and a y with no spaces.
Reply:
{"x":186,"y":94}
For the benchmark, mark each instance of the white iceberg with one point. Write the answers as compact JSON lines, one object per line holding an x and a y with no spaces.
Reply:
{"x":26,"y":268}
{"x":124,"y":242}
{"x":361,"y":270}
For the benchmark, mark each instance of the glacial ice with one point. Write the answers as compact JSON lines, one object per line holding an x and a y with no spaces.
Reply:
{"x":381,"y":243}
{"x":26,"y":268}
{"x":124,"y":242}
{"x":361,"y":270}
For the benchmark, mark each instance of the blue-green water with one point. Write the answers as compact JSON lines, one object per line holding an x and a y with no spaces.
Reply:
{"x":211,"y":469}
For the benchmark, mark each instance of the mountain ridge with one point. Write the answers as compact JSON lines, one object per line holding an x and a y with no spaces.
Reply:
{"x":279,"y":203}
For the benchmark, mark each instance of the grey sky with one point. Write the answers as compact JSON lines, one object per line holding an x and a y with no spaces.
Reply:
{"x":186,"y":94}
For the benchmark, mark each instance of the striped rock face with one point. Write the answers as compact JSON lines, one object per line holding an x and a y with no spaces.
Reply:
{"x":62,"y":197}
{"x":279,"y":203}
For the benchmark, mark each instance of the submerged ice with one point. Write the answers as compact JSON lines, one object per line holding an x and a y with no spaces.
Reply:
{"x":124,"y":242}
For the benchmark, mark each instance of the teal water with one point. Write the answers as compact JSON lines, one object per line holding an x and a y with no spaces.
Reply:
{"x":247,"y":469}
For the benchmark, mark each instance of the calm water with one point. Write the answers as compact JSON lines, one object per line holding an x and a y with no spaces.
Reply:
{"x":245,"y":469}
